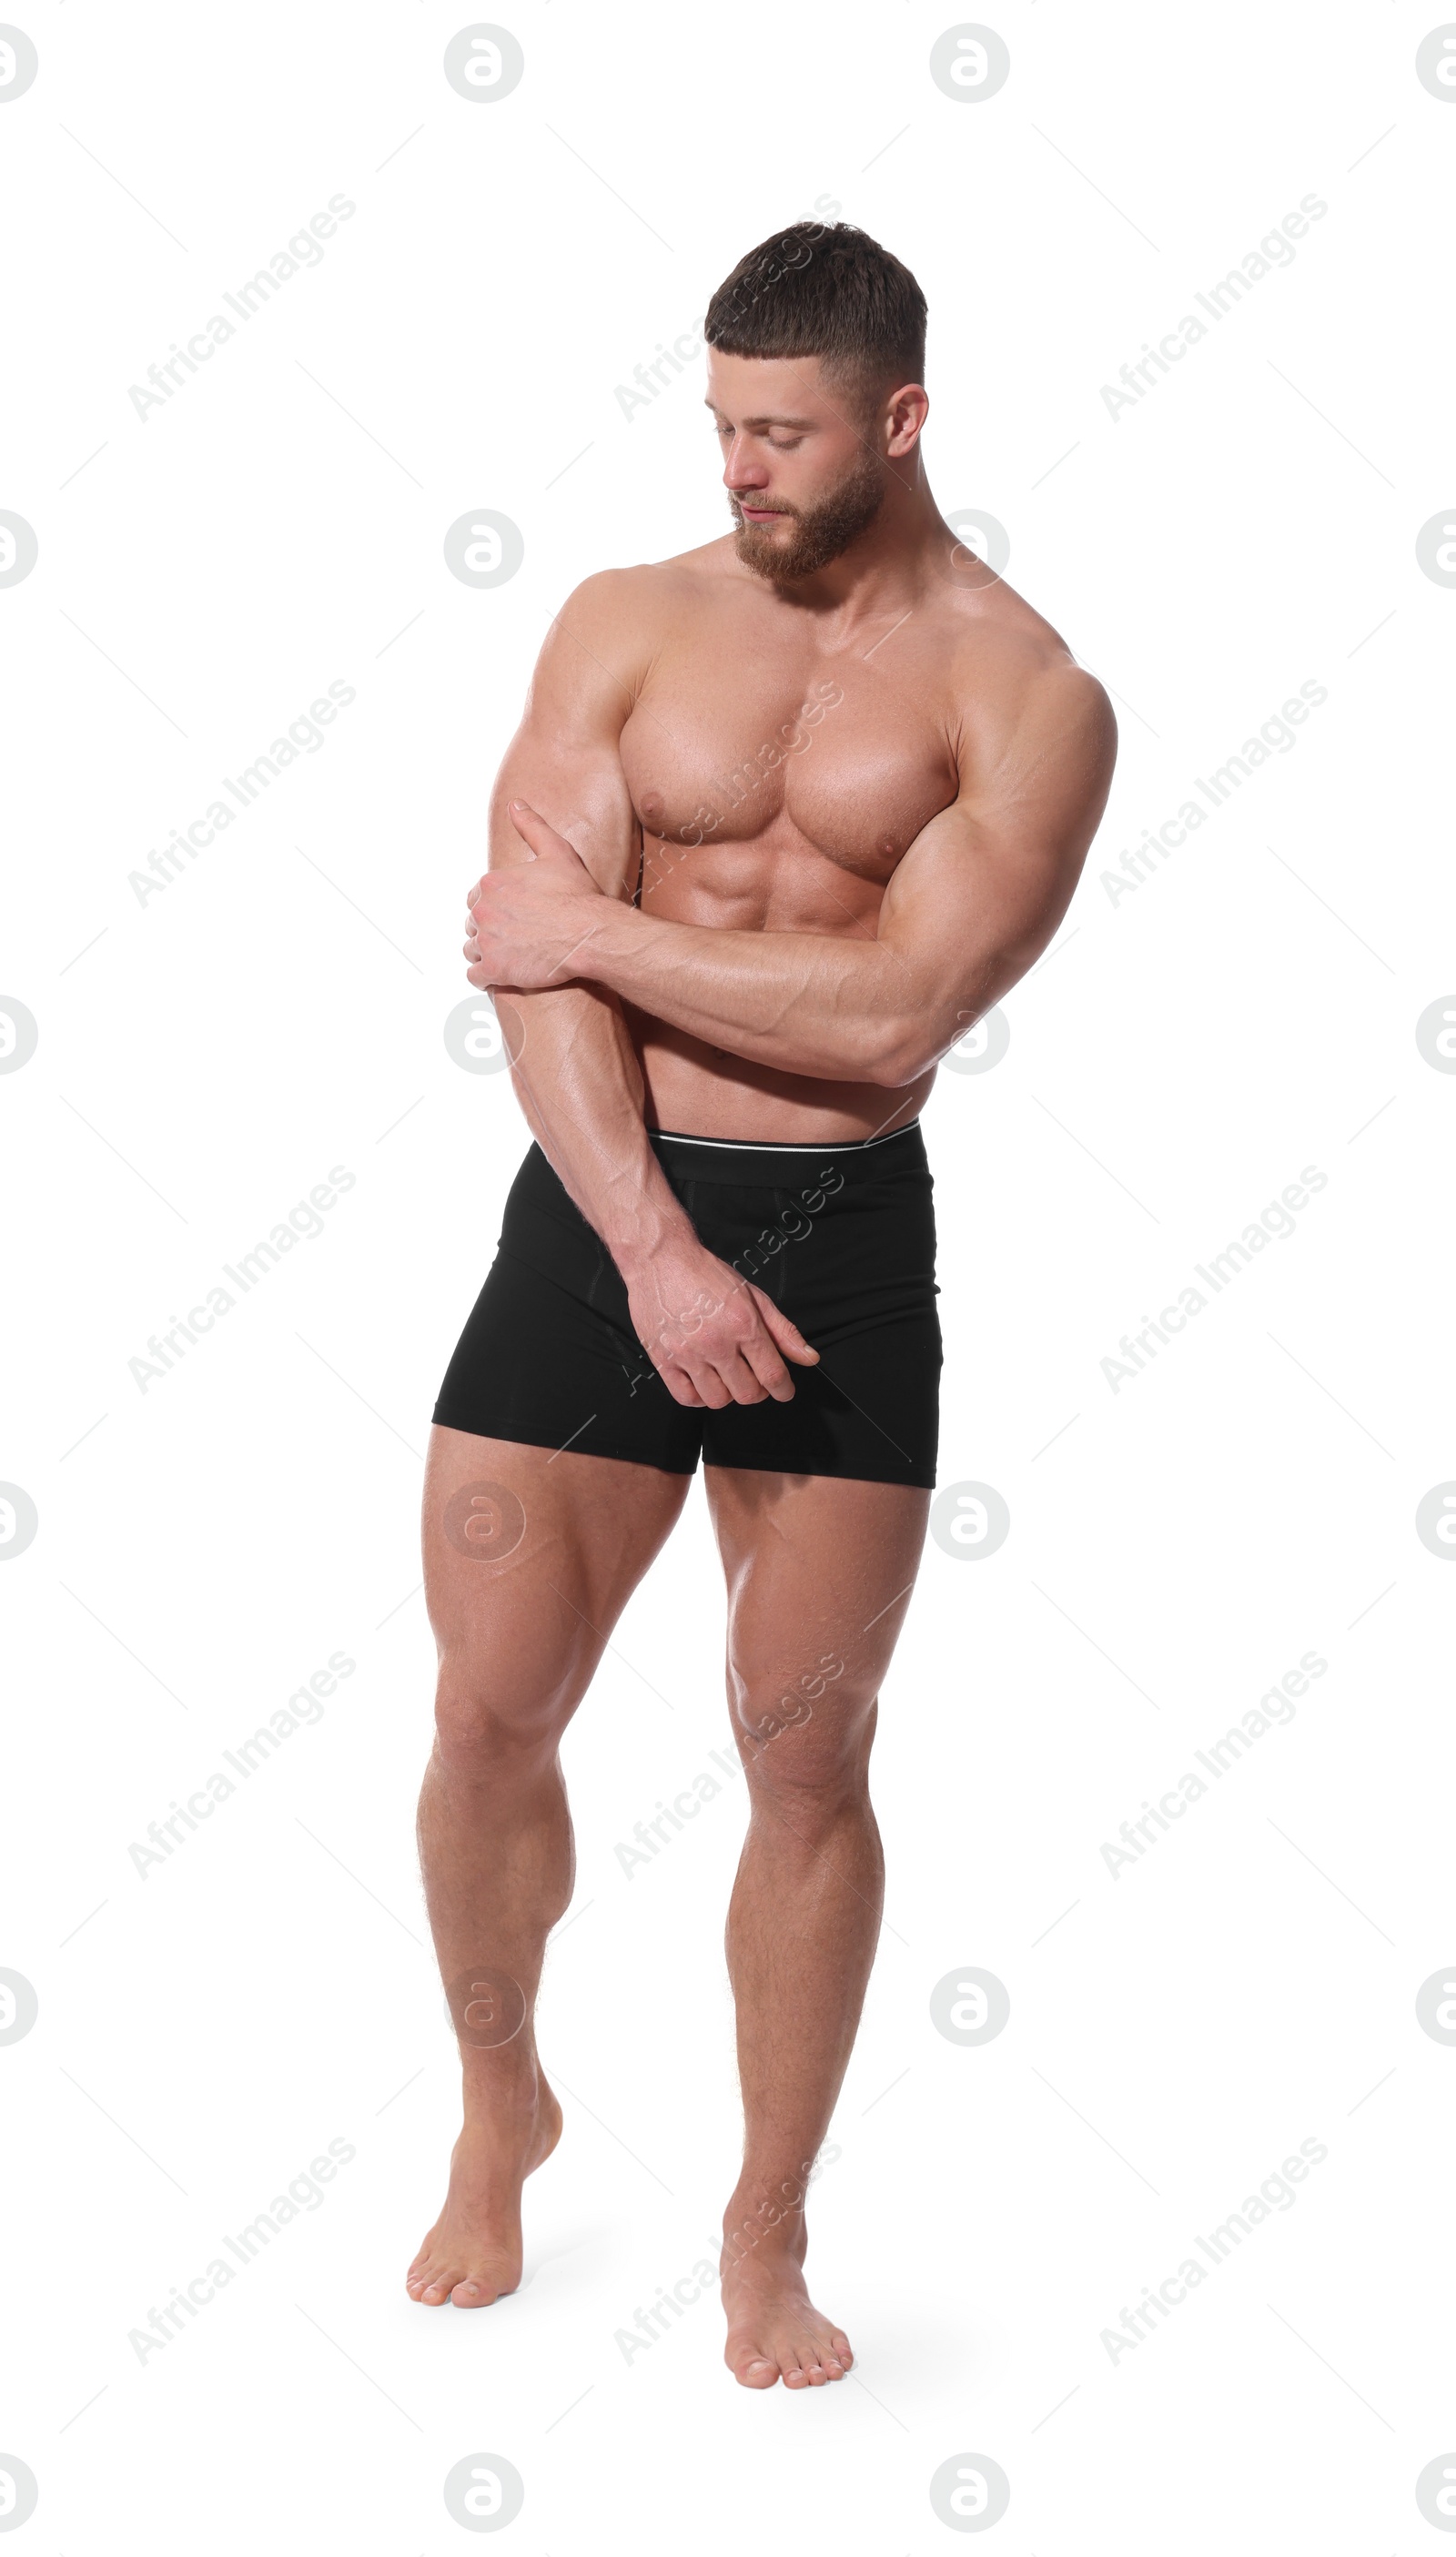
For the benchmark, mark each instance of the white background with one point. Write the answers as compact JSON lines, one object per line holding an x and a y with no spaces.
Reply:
{"x":207,"y":1055}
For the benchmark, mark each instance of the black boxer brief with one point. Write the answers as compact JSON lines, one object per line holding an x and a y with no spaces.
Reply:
{"x":841,"y":1237}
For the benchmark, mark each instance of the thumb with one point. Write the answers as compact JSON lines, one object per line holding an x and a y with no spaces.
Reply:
{"x":785,"y":1335}
{"x":542,"y":836}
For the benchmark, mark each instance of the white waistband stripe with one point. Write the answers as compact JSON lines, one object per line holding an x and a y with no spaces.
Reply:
{"x":765,"y":1145}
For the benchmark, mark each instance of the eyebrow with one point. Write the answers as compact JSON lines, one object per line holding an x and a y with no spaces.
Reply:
{"x":768,"y":418}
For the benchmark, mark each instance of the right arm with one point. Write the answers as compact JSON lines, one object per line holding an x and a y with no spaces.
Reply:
{"x":712,"y":1337}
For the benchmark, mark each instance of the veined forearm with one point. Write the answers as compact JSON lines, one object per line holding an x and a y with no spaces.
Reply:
{"x":579,"y":1082}
{"x":810,"y":1003}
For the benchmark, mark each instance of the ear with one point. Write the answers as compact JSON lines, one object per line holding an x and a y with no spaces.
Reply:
{"x":909,"y":408}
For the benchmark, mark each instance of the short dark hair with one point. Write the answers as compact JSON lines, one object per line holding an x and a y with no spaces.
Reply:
{"x":823,"y":289}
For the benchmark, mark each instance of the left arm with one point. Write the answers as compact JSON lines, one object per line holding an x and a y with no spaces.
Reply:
{"x":976,"y":899}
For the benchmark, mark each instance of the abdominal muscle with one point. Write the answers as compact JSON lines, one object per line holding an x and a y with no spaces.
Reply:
{"x":698,"y":1090}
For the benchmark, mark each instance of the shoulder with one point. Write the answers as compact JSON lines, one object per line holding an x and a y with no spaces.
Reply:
{"x":1021,"y":702}
{"x":620,"y":619}
{"x":651,"y":593}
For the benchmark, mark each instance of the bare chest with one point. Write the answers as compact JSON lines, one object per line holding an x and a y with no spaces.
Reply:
{"x":777,"y":775}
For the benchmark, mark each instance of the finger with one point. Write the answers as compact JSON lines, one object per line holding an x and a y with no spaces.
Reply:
{"x":677,"y":1382}
{"x":769,"y":1366}
{"x":787,"y":1334}
{"x":682,"y":1389}
{"x":733,"y":1368}
{"x":542,"y":836}
{"x":708,"y":1384}
{"x":529,"y":825}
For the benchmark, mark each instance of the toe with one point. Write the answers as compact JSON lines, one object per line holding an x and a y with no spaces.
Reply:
{"x":475,"y":2292}
{"x":756,"y":2373}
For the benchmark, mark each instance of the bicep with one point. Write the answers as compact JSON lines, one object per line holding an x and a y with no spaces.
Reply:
{"x":565,"y":757}
{"x":996,"y":870}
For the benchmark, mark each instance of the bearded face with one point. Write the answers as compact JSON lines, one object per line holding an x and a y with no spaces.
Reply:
{"x":807,"y":538}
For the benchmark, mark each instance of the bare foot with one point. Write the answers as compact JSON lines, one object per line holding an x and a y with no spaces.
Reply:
{"x":774,"y":2331}
{"x":473,"y":2254}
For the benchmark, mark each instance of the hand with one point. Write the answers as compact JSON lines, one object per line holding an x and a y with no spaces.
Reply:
{"x":712,"y":1337}
{"x":524,"y":923}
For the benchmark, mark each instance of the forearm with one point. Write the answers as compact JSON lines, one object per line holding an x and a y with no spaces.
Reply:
{"x":579,"y":1082}
{"x":815,"y":1003}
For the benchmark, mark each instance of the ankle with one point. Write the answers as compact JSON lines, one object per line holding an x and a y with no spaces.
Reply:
{"x":493,"y":2082}
{"x":756,"y":2228}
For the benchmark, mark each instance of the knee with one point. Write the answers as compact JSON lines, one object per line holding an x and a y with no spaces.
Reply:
{"x":811,"y":1754}
{"x":488,"y":1715}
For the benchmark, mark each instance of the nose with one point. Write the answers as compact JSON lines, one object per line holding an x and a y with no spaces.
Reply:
{"x":741,"y":471}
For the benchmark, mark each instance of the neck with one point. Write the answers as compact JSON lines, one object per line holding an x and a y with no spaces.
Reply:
{"x":886,"y":564}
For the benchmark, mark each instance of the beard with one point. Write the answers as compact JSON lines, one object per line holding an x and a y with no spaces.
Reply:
{"x":819,"y":533}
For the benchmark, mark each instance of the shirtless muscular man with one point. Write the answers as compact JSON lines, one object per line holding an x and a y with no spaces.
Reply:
{"x":785,"y":815}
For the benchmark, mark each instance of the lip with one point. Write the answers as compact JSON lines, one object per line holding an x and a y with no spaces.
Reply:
{"x":758,"y":515}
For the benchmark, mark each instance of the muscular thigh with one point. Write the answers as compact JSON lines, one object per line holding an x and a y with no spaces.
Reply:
{"x":530,"y":1558}
{"x":819,"y":1572}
